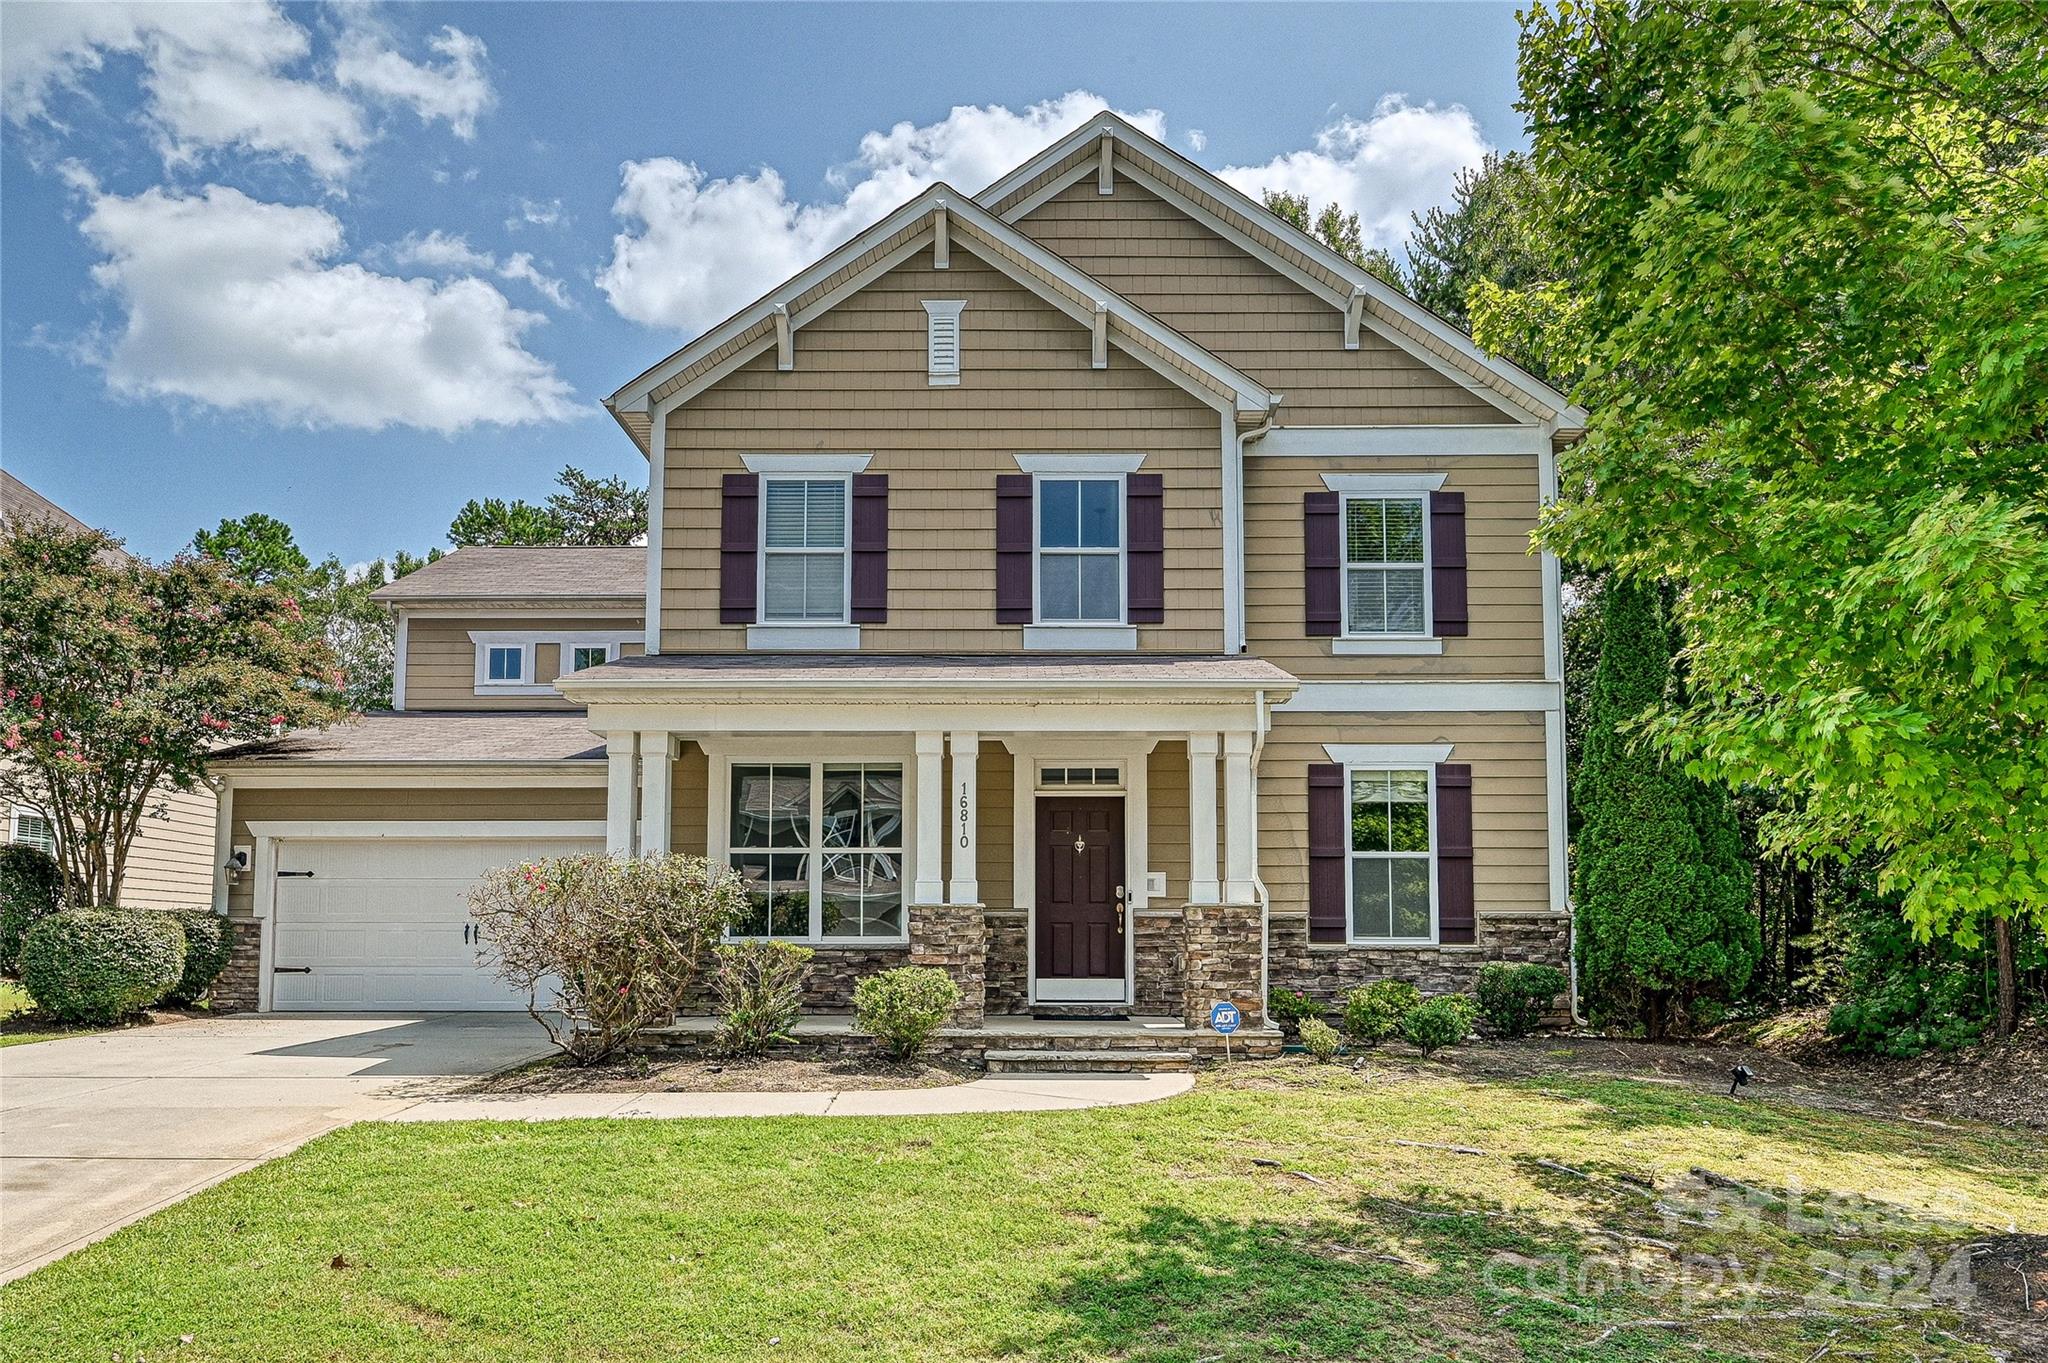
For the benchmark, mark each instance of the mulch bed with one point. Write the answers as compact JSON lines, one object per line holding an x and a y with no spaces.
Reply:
{"x":765,"y":1074}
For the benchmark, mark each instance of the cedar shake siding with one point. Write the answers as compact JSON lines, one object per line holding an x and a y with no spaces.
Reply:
{"x":1026,"y":387}
{"x":1247,"y":313}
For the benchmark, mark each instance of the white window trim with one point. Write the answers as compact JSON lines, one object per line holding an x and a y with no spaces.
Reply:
{"x":1410,"y":642}
{"x":948,"y":309}
{"x":1080,"y":637}
{"x":611,"y":641}
{"x":21,"y":812}
{"x":798,"y":475}
{"x":1384,"y":484}
{"x":797,"y":637}
{"x":1080,"y":463}
{"x":783,"y":465}
{"x":1120,"y":765}
{"x":767,"y":756}
{"x":1351,"y":856}
{"x":1069,"y":631}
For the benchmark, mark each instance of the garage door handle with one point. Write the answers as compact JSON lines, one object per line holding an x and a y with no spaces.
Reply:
{"x":291,"y":970}
{"x":306,"y":874}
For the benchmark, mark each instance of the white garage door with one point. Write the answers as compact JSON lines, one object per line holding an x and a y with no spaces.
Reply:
{"x":384,"y":923}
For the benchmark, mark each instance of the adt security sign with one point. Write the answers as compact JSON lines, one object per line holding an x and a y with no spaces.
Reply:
{"x":1225,"y":1018}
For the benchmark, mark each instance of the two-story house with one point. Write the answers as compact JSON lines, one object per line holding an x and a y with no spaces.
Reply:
{"x":1092,"y":586}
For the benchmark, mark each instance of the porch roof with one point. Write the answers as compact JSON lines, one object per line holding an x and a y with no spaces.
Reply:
{"x":518,"y":736}
{"x":855,"y":675}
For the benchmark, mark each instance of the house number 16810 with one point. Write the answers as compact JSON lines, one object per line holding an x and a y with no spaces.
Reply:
{"x":966,"y":814}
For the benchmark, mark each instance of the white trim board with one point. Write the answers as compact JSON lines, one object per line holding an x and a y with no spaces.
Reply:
{"x":1103,"y":464}
{"x":1387,"y":754}
{"x":1374,"y":484}
{"x":1422,"y":697}
{"x":354,"y":830}
{"x":1394,"y":442}
{"x":520,"y":775}
{"x":789,"y":465}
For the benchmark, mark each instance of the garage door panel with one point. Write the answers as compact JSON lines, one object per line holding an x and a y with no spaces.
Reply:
{"x":380,"y":923}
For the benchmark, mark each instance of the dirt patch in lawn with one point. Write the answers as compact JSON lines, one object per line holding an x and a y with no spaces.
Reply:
{"x":767,"y":1074}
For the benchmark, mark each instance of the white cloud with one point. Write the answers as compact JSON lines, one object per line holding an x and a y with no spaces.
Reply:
{"x":457,"y":90}
{"x":447,"y":251}
{"x":535,"y":214}
{"x":1401,"y":160}
{"x":696,"y":248}
{"x":520,"y":266}
{"x":1197,"y":140}
{"x":233,"y":303}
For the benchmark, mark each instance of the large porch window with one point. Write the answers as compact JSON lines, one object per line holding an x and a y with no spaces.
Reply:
{"x":820,"y":845}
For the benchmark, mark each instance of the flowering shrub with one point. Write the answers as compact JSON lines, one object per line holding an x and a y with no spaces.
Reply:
{"x":904,"y":1006}
{"x":100,"y":965}
{"x":603,"y":947}
{"x":209,"y":939}
{"x":760,"y":988}
{"x":1289,"y":1008}
{"x":1373,"y":1012}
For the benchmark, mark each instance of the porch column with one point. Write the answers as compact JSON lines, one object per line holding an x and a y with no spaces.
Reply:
{"x":930,"y":885}
{"x":1237,"y":818}
{"x":657,"y":764}
{"x":962,"y":808}
{"x":1202,"y":887}
{"x":620,"y":806}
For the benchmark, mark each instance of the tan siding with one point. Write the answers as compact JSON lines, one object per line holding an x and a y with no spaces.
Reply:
{"x":1026,"y":386}
{"x":170,"y":863}
{"x":1166,"y":777}
{"x":995,"y":834}
{"x":1504,"y":586}
{"x":440,"y":660}
{"x":1509,"y":821}
{"x":1247,"y":313}
{"x":690,"y":795}
{"x":410,"y":805}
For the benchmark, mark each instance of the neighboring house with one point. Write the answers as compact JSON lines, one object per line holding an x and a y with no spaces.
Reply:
{"x":1093,"y":586}
{"x":170,"y":863}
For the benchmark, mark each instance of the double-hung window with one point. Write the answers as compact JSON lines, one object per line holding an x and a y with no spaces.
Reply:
{"x":804,"y":563}
{"x":820,"y":847}
{"x":1392,"y":835}
{"x":33,"y":830}
{"x":1386,"y":566}
{"x":1080,"y":551}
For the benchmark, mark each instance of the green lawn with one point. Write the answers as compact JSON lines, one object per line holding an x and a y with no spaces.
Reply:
{"x":14,"y":1001}
{"x":1149,"y":1233}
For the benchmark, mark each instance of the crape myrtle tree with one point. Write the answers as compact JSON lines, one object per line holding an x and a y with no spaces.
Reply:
{"x":1811,"y":263}
{"x":118,"y":677}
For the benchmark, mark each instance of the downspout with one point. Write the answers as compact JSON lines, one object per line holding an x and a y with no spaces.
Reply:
{"x":1235,"y":475}
{"x":1259,"y":881}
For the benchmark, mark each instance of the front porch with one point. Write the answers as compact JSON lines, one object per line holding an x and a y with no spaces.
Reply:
{"x":1051,"y":831}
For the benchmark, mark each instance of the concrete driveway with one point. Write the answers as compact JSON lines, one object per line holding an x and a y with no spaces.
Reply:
{"x":98,"y":1131}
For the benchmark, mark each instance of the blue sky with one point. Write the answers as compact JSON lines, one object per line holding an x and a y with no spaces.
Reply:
{"x":351,"y":266}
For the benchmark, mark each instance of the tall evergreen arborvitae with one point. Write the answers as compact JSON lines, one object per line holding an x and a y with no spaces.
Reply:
{"x":1662,"y":889}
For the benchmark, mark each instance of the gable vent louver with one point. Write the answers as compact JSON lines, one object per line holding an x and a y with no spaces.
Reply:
{"x":942,"y":340}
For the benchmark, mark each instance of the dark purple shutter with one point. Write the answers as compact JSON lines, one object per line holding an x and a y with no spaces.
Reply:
{"x":1013,"y":548}
{"x":870,"y":603}
{"x":1145,"y":555}
{"x":1447,"y":563}
{"x":1456,"y":906}
{"x":739,"y":536}
{"x":1328,"y":846}
{"x":1322,"y":560}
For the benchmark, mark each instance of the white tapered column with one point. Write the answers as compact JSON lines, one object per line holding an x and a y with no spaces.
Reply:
{"x":621,"y":794}
{"x":962,"y":814}
{"x":930,"y":885}
{"x":1202,"y":886}
{"x":657,"y":766}
{"x":1237,"y":818}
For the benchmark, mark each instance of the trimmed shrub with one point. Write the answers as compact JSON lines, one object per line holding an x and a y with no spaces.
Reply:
{"x":101,"y":965}
{"x":1320,"y":1039}
{"x":31,"y":886}
{"x":209,"y":939}
{"x":1373,"y":1012}
{"x":1437,"y":1022}
{"x":760,"y":988}
{"x":1514,"y":998}
{"x":614,"y":943}
{"x":1289,"y":1008}
{"x":903,"y":1007}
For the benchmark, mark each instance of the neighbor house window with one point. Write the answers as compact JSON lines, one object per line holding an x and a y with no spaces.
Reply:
{"x":581,"y":657}
{"x":1080,"y":550}
{"x":1391,"y":836}
{"x":33,"y":830}
{"x":1385,"y":566}
{"x":803,"y":550}
{"x":820,"y":847}
{"x":506,"y":665}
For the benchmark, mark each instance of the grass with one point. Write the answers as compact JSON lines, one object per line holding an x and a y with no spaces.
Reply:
{"x":1267,"y":1215}
{"x":14,"y":1003}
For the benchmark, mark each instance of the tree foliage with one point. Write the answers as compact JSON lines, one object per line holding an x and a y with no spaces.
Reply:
{"x":118,"y":677}
{"x":1811,"y":267}
{"x":1497,"y":229}
{"x":1336,"y":229}
{"x":586,"y":511}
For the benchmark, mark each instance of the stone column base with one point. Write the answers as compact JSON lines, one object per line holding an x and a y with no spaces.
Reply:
{"x":237,"y":990}
{"x":954,"y":938}
{"x":1220,"y":955}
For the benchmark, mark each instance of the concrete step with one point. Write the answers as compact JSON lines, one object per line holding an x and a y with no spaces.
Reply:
{"x":1076,"y":1061}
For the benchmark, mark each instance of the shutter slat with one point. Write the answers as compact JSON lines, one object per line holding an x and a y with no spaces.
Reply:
{"x":1013,"y":548}
{"x":738,"y":546}
{"x":1452,"y":617}
{"x":1145,"y":554}
{"x":1322,"y":565}
{"x":870,"y":603}
{"x":1328,"y":846}
{"x":1456,"y":902}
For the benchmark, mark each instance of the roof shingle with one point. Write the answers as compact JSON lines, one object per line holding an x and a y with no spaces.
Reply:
{"x":415,"y":736}
{"x":524,"y":572}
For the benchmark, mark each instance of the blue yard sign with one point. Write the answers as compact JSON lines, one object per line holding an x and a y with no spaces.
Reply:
{"x":1225,"y":1018}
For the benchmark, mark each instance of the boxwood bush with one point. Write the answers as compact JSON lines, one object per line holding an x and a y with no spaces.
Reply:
{"x":101,"y":965}
{"x":31,"y":885}
{"x":1514,"y":998}
{"x":904,"y":1006}
{"x":1289,"y":1008}
{"x":1444,"y":1020}
{"x":1373,"y":1012}
{"x":209,"y":940}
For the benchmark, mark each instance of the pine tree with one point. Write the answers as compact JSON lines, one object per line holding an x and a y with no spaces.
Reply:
{"x":1662,"y":890}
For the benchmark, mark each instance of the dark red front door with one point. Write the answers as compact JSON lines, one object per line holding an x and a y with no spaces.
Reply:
{"x":1080,"y":877}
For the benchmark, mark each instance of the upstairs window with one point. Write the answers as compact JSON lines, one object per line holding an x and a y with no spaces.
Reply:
{"x":1080,"y":551}
{"x":942,"y":341}
{"x":1385,"y":566}
{"x":803,"y":550}
{"x":33,"y":830}
{"x":583,"y":656}
{"x":505,"y":664}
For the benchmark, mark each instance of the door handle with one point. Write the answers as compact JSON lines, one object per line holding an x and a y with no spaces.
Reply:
{"x":291,"y":970}
{"x":1121,"y":907}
